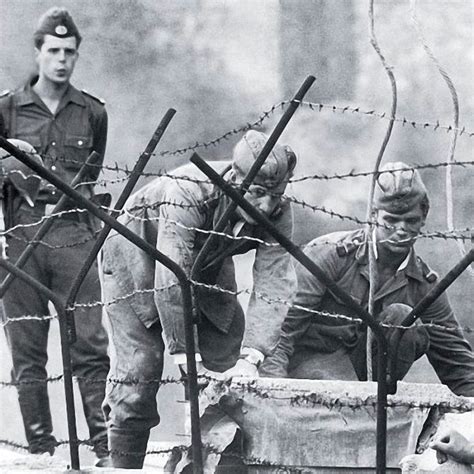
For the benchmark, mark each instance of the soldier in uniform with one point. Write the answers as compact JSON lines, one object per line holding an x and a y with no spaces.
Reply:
{"x":64,"y":125}
{"x":171,"y":214}
{"x":315,"y":345}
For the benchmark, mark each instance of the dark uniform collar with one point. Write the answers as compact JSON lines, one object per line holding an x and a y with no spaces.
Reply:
{"x":28,"y":96}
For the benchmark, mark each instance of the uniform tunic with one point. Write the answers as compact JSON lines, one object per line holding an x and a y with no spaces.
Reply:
{"x":64,"y":140}
{"x":344,"y":259}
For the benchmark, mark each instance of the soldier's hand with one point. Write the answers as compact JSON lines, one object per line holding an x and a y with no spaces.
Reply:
{"x":450,"y":442}
{"x":204,"y":376}
{"x":243,"y":368}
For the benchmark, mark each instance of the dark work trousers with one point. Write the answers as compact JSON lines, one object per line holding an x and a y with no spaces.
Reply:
{"x":55,"y":263}
{"x":136,"y":355}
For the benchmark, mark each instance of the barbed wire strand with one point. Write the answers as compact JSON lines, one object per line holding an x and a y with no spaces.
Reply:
{"x":236,"y":293}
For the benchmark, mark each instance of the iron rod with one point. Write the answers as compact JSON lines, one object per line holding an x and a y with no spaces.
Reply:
{"x":158,"y":256}
{"x":267,"y":148}
{"x":127,"y":190}
{"x":298,"y":254}
{"x":65,"y":354}
{"x":438,"y":289}
{"x":46,"y":226}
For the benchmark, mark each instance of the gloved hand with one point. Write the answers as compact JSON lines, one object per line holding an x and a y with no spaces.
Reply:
{"x":405,"y":345}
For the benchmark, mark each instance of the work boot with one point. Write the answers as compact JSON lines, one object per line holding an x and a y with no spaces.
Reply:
{"x":92,"y":394}
{"x":128,"y":447}
{"x":34,"y":407}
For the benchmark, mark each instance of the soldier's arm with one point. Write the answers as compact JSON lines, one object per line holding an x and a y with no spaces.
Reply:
{"x":274,"y":282}
{"x":449,"y":353}
{"x":176,"y":234}
{"x":310,"y":291}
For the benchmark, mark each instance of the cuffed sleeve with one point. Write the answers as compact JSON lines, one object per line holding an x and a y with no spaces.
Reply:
{"x":274,"y":283}
{"x":297,"y":321}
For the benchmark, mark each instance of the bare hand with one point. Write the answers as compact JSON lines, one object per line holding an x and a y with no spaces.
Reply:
{"x":243,"y":368}
{"x":203,"y":374}
{"x":449,"y":442}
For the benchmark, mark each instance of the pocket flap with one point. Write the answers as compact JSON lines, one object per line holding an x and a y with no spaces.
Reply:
{"x":78,"y":141}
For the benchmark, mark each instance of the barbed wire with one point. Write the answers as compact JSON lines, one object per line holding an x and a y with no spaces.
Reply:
{"x":363,"y":174}
{"x":42,"y":219}
{"x":313,"y":106}
{"x":432,"y":234}
{"x":207,"y":448}
{"x":316,"y":176}
{"x":424,"y":125}
{"x":455,"y":234}
{"x":322,"y":177}
{"x":43,"y":243}
{"x":52,"y":379}
{"x":236,"y":293}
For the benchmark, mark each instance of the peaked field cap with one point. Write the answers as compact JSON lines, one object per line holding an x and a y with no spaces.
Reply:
{"x":278,"y":166}
{"x":58,"y":22}
{"x":399,"y":188}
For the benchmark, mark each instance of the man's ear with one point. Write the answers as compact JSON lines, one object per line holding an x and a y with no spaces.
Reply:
{"x":37,"y":52}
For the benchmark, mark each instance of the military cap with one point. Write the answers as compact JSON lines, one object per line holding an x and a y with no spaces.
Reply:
{"x":56,"y":22}
{"x":399,"y":188}
{"x":278,"y":166}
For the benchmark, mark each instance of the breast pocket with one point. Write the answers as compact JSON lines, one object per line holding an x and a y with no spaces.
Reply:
{"x":77,"y":149}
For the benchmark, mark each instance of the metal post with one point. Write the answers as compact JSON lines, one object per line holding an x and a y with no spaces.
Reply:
{"x":127,"y":190}
{"x":272,"y":139}
{"x":430,"y":298}
{"x":438,"y":289}
{"x":155,"y":254}
{"x":298,"y":254}
{"x":66,"y":358}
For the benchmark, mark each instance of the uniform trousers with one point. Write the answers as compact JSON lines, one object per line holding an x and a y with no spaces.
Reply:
{"x":55,"y":263}
{"x":137,"y":354}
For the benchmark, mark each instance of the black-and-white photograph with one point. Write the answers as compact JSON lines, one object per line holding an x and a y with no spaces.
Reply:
{"x":237,"y":236}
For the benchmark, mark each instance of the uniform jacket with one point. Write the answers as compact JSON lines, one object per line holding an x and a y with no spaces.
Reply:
{"x":345,"y":261}
{"x":170,"y":213}
{"x":64,"y":140}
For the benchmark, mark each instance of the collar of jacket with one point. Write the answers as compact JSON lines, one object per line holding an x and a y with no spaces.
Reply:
{"x":28,"y":96}
{"x":412,"y":269}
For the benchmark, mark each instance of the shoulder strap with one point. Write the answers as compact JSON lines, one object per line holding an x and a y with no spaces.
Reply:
{"x":97,"y":99}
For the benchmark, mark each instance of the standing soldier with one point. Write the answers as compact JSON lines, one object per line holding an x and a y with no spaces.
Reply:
{"x":64,"y":125}
{"x":314,"y":345}
{"x":143,"y":298}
